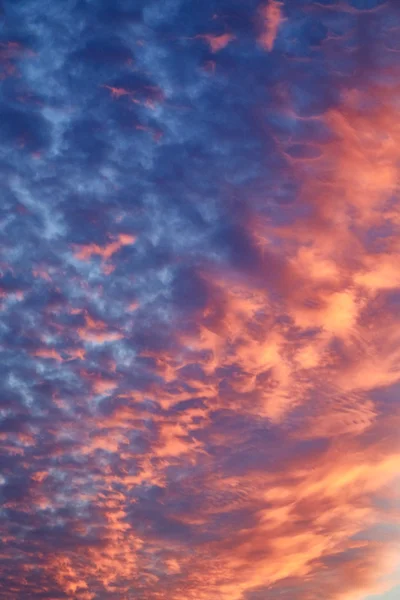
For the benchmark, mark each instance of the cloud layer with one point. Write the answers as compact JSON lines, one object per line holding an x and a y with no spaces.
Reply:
{"x":199,"y":295}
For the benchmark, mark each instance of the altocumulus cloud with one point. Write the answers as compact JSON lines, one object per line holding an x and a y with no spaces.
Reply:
{"x":199,"y":299}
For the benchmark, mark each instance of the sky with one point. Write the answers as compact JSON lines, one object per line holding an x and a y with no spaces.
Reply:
{"x":199,"y":297}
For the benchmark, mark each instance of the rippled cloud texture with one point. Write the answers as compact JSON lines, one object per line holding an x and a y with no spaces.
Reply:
{"x":200,"y":293}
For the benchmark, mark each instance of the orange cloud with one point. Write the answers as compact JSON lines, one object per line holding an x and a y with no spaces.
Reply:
{"x":272,"y":18}
{"x":48,"y":353}
{"x":117,"y":92}
{"x":85,"y":253}
{"x":217,"y":42}
{"x":95,"y":332}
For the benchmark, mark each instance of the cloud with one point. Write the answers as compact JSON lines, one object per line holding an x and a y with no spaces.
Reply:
{"x":199,"y":298}
{"x":271,"y":15}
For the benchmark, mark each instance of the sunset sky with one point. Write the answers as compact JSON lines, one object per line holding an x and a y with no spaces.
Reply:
{"x":199,"y":295}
